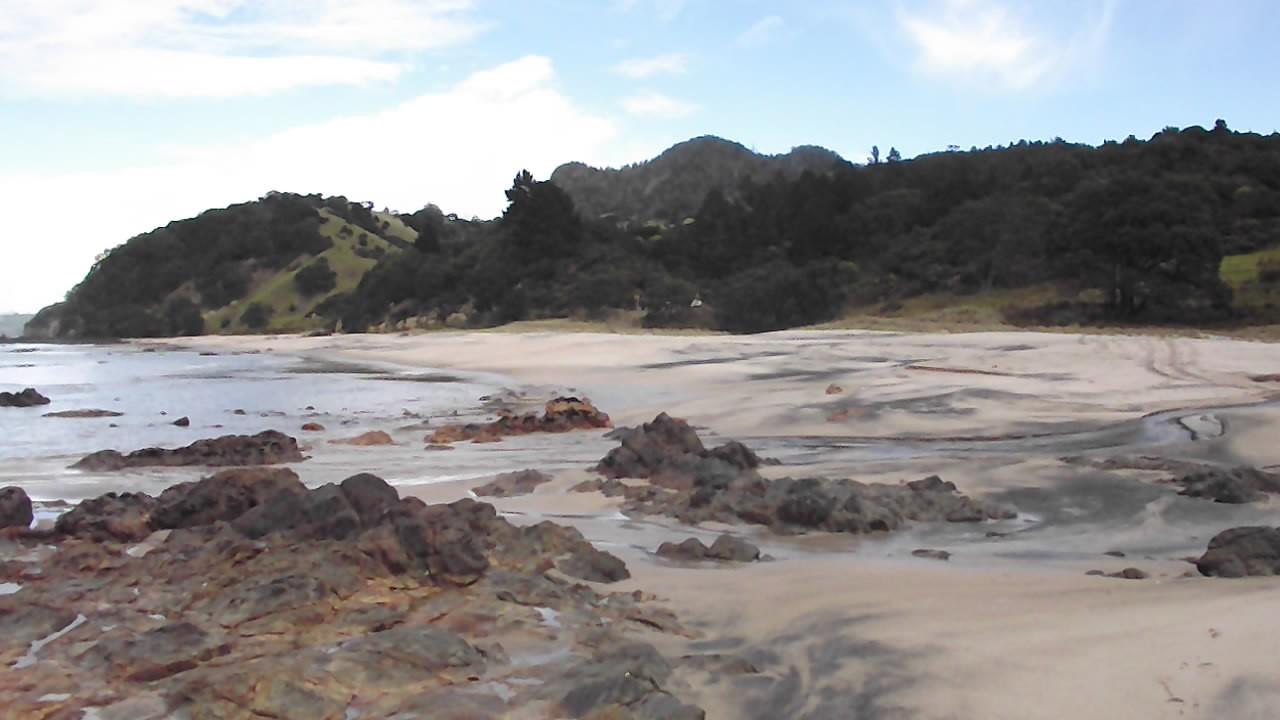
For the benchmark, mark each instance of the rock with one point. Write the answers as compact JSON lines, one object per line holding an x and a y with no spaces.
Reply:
{"x":223,"y":497}
{"x":1242,"y":552}
{"x":669,"y":452}
{"x":83,"y":414}
{"x":369,"y":439}
{"x":265,"y":448}
{"x":370,"y":496}
{"x":1229,"y":485}
{"x":312,"y":427}
{"x":726,"y":548}
{"x":625,"y":681}
{"x":562,"y":414}
{"x":121,"y":517}
{"x":155,"y":654}
{"x":322,"y":513}
{"x":183,"y":421}
{"x":1114,"y":553}
{"x":1097,"y":573}
{"x":834,"y":389}
{"x":15,"y":508}
{"x":1129,"y":573}
{"x":931,"y":554}
{"x":593,"y":565}
{"x":510,"y":484}
{"x":29,"y":397}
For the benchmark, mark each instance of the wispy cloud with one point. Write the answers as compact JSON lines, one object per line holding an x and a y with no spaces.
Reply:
{"x":637,"y":68}
{"x":761,"y":32}
{"x":463,"y":132}
{"x":985,"y":40}
{"x":215,"y":48}
{"x":655,"y":104}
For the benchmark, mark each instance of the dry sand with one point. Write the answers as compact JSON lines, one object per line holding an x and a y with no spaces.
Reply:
{"x":856,"y":628}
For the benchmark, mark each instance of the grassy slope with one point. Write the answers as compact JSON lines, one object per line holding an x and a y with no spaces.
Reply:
{"x":281,"y":294}
{"x":1240,"y":273}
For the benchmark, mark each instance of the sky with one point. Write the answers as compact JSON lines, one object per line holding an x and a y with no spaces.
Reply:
{"x":118,"y":116}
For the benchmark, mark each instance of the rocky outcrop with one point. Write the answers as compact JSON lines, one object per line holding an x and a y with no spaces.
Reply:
{"x":696,"y":485}
{"x":1229,"y":485}
{"x":15,"y":508}
{"x":726,"y":548}
{"x":266,"y":448}
{"x":1242,"y":552}
{"x":260,"y":598}
{"x":93,"y":413}
{"x":669,"y":452}
{"x":27,"y":398}
{"x":521,"y":482}
{"x":563,"y":414}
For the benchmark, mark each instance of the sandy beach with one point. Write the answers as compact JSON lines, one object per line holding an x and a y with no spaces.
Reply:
{"x":1010,"y":627}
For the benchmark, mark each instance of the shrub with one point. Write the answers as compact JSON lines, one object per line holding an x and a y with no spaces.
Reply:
{"x":256,"y":316}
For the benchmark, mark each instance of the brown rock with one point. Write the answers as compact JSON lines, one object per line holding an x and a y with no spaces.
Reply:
{"x":223,"y":497}
{"x":834,"y":389}
{"x":122,"y":517}
{"x":1242,"y":552}
{"x":312,"y":427}
{"x":563,"y":414}
{"x":15,"y":508}
{"x":265,"y":448}
{"x":931,"y":554}
{"x":1129,"y":574}
{"x":369,"y":439}
{"x":83,"y":414}
{"x":183,"y":421}
{"x":510,"y":484}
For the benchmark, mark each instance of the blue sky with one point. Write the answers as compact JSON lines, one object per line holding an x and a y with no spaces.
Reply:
{"x":117,"y":116}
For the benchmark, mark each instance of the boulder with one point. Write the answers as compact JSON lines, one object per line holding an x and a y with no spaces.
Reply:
{"x":593,"y":565}
{"x":120,"y":517}
{"x":1242,"y":552}
{"x":670,"y":453}
{"x":183,"y":421}
{"x":223,"y":497}
{"x":521,"y":482}
{"x":726,"y":548}
{"x":931,"y":554}
{"x":266,"y":448}
{"x":29,"y":397}
{"x":834,"y":389}
{"x":312,"y":427}
{"x":15,"y":508}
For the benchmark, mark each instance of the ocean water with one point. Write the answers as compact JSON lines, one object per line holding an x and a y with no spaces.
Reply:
{"x":154,"y":388}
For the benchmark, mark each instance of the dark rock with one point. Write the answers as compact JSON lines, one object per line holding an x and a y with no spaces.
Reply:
{"x":322,"y":513}
{"x":122,"y":517}
{"x":521,"y":482}
{"x":931,"y":554}
{"x":29,"y":397}
{"x":1130,"y":573}
{"x":224,"y":496}
{"x":593,"y":565}
{"x":726,"y":548}
{"x":1242,"y":552}
{"x":265,"y":448}
{"x":15,"y":508}
{"x":1097,"y":573}
{"x":370,"y":496}
{"x":624,"y":681}
{"x":369,"y":439}
{"x":1114,"y":553}
{"x":688,"y":550}
{"x":1229,"y":485}
{"x":183,"y":421}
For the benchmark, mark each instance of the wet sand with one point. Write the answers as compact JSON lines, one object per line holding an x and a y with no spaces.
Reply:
{"x":842,"y":627}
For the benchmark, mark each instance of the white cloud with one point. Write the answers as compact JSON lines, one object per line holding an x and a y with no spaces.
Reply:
{"x":637,"y":68}
{"x":983,"y":41}
{"x":655,"y":104}
{"x":215,"y":48}
{"x":459,"y":149}
{"x":761,"y":32}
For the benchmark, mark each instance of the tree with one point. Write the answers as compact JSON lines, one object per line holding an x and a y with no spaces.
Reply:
{"x":1151,"y":243}
{"x":540,"y":223}
{"x":875,"y":155}
{"x":256,"y":316}
{"x":316,"y":278}
{"x":894,"y":155}
{"x":183,"y":317}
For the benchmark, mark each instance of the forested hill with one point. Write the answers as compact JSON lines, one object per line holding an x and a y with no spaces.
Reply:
{"x":1182,"y":228}
{"x":670,"y":187}
{"x":266,"y":264}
